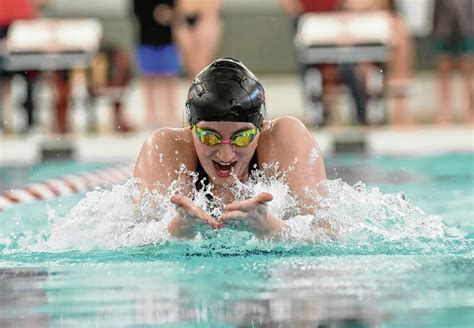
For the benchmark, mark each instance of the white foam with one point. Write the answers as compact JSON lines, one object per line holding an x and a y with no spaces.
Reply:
{"x":362,"y":217}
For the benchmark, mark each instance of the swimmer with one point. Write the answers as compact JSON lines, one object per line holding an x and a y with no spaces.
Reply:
{"x":226,"y":139}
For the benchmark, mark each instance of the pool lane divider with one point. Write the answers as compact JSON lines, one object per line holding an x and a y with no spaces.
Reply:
{"x":65,"y":185}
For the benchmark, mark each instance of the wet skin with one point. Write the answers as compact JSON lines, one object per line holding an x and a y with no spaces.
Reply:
{"x":282,"y":140}
{"x":224,"y":161}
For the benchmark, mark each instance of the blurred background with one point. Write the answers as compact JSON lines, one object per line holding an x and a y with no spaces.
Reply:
{"x":90,"y":80}
{"x":385,"y":87}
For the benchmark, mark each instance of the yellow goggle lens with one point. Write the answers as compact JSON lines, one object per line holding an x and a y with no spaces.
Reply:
{"x":243,"y":140}
{"x":211,"y":138}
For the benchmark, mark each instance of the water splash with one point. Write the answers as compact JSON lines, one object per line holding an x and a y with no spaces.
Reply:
{"x":366,"y":221}
{"x":371,"y":221}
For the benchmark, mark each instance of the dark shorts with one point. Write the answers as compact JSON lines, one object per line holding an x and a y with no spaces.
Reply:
{"x":453,"y":29}
{"x":454,"y":47}
{"x":161,"y":60}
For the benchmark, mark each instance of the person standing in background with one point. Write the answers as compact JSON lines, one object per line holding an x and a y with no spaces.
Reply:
{"x":400,"y":63}
{"x":198,"y":32}
{"x":454,"y":45}
{"x":110,"y":75}
{"x":158,"y":61}
{"x":10,"y":11}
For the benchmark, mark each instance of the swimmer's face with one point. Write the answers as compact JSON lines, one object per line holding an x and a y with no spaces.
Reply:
{"x":223,"y":160}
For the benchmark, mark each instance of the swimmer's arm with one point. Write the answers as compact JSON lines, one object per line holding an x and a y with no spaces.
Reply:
{"x":161,"y":157}
{"x":300,"y":155}
{"x":158,"y":163}
{"x":289,"y":143}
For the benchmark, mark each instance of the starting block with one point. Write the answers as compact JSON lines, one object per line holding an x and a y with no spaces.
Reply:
{"x":52,"y":44}
{"x":343,"y":38}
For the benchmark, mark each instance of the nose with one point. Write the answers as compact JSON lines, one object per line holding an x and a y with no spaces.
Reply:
{"x":225,"y":153}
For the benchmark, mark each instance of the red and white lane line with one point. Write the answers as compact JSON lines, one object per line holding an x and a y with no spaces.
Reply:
{"x":65,"y":185}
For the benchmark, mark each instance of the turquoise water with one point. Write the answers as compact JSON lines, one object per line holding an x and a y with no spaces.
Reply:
{"x":400,"y":260}
{"x":19,"y":176}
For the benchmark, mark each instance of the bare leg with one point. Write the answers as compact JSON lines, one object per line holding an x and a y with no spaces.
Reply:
{"x":148,"y":83}
{"x":445,"y":109}
{"x":185,"y":43}
{"x":120,"y":120}
{"x":329,"y":95}
{"x":6,"y":106}
{"x":198,"y":43}
{"x":466,"y":66}
{"x":166,"y":93}
{"x":400,"y":68}
{"x":208,"y":35}
{"x":398,"y":103}
{"x":63,"y":90}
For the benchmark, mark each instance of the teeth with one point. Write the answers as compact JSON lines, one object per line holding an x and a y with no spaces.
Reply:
{"x":224,"y":166}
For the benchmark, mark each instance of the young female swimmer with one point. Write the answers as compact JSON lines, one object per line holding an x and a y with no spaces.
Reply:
{"x":227,"y":136}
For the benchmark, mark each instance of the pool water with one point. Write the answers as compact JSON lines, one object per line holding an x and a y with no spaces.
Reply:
{"x":11,"y":177}
{"x":401,"y":260}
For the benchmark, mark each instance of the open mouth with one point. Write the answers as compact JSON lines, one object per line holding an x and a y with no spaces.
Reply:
{"x":222,"y":169}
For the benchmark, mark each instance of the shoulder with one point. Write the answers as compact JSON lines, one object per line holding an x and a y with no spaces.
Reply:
{"x":167,"y":142}
{"x":163,"y":152}
{"x":281,"y":127}
{"x":287,"y":141}
{"x":169,"y":136}
{"x":283,"y":139}
{"x":288,"y":121}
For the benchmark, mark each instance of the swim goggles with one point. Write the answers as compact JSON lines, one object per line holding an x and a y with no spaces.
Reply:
{"x":242,"y":138}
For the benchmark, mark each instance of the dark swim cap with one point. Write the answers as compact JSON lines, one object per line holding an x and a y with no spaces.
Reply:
{"x":226,"y":90}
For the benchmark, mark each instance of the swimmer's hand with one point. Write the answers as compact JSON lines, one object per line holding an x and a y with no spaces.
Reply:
{"x":190,"y":219}
{"x":252,"y":215}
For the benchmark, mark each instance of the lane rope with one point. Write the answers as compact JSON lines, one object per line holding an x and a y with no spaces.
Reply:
{"x":65,"y":185}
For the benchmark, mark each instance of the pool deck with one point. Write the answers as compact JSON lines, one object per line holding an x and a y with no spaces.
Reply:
{"x":284,"y":97}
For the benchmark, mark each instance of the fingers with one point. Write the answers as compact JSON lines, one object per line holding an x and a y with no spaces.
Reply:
{"x":182,"y":201}
{"x":248,"y":204}
{"x":235,"y":220}
{"x":203,"y":216}
{"x":187,"y":208}
{"x":235,"y":213}
{"x":264,"y":197}
{"x":232,"y":215}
